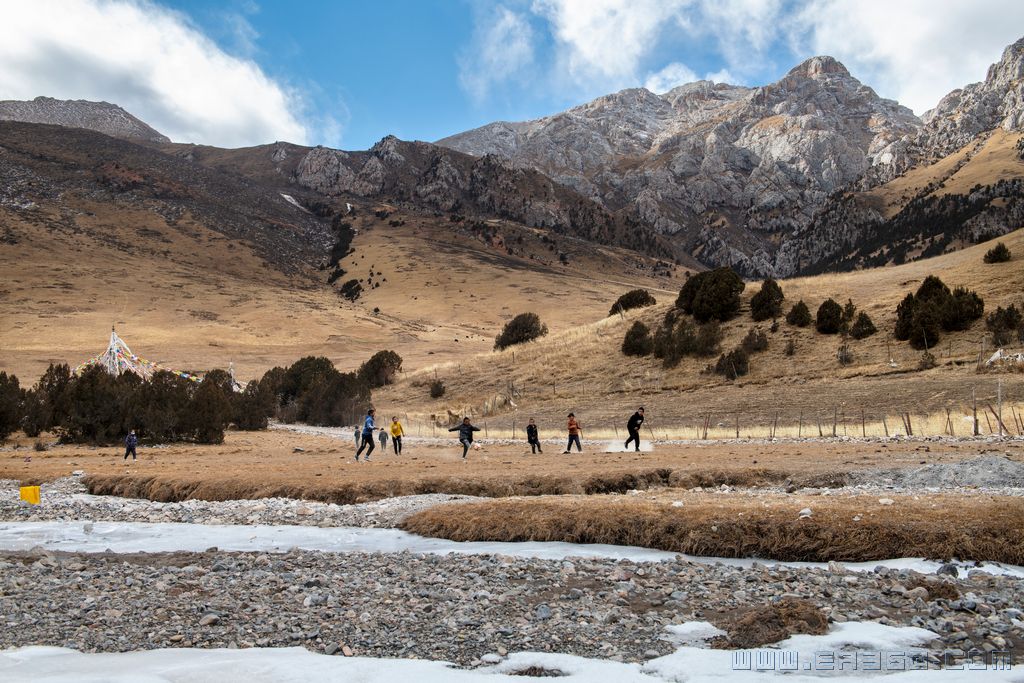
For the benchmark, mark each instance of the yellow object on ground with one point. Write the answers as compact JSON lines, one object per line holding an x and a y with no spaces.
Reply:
{"x":30,"y":494}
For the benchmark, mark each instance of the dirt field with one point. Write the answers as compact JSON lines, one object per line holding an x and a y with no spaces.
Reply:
{"x":262,"y":464}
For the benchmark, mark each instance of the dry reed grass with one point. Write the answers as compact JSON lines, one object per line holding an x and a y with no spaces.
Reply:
{"x":774,"y":622}
{"x":988,"y":529}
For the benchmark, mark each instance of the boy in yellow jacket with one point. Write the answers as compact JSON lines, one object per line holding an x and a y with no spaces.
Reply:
{"x":396,"y":435}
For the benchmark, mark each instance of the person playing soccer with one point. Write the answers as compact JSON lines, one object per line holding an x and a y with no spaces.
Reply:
{"x":465,"y":431}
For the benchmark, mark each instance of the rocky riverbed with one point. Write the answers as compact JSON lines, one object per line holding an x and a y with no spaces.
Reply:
{"x":68,"y":499}
{"x":457,"y":608}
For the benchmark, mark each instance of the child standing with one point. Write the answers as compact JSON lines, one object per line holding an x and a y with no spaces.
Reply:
{"x":396,"y":435}
{"x":574,"y":435}
{"x":383,"y":439}
{"x":532,"y":438}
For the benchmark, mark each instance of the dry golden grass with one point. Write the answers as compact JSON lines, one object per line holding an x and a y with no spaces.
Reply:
{"x":583,"y":369}
{"x":187,"y":296}
{"x":261,"y":464}
{"x":841,"y":528}
{"x":979,"y":162}
{"x":775,"y":622}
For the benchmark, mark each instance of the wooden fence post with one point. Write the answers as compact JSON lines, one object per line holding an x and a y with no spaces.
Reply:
{"x":999,"y":402}
{"x":974,"y":399}
{"x":800,"y":426}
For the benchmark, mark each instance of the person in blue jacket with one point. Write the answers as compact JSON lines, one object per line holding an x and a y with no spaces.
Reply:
{"x":465,"y":431}
{"x":368,"y":427}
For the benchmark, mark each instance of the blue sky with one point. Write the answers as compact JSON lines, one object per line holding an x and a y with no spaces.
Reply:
{"x":341,"y":73}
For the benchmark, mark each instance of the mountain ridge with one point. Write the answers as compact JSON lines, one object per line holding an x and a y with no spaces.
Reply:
{"x":711,"y":164}
{"x":102,"y":117}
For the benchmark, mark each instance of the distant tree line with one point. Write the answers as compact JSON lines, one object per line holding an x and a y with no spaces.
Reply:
{"x":99,"y":408}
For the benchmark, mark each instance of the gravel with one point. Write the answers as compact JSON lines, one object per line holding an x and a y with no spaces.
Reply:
{"x":457,"y":608}
{"x":67,"y":499}
{"x":989,"y":470}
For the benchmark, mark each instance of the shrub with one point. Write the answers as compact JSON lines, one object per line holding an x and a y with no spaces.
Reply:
{"x":734,"y":364}
{"x":862,"y":326}
{"x":767,"y":303}
{"x":253,"y":407}
{"x":437,"y":389}
{"x":711,"y":295}
{"x":921,"y":317}
{"x":799,"y":315}
{"x":790,"y":348}
{"x":521,"y":329}
{"x":162,"y":407}
{"x":1006,"y":325}
{"x":46,"y":403}
{"x":998,"y":254}
{"x":351,"y":290}
{"x":301,"y":375}
{"x":97,"y":405}
{"x":849,"y":310}
{"x":962,"y":309}
{"x":830,"y":317}
{"x":637,"y":298}
{"x":10,"y":405}
{"x":381,"y":369}
{"x":678,"y":337}
{"x":755,"y":341}
{"x":927,"y":361}
{"x":637,"y":341}
{"x":844,"y":354}
{"x":709,"y":337}
{"x":209,"y":413}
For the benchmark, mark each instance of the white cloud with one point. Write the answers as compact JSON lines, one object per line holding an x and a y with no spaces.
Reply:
{"x":601,"y":43}
{"x":151,"y":61}
{"x":669,"y":77}
{"x":742,"y":29}
{"x":723,"y":76}
{"x":915,"y":51}
{"x":501,"y":49}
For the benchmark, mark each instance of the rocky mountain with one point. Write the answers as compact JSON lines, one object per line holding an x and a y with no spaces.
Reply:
{"x":961,"y":117}
{"x":959,"y":179}
{"x":45,"y":171}
{"x":423,"y":176}
{"x":102,"y":117}
{"x":727,"y":171}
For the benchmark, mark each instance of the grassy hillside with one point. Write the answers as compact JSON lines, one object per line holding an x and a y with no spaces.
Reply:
{"x":186,"y":295}
{"x":983,"y":161}
{"x":584,"y":370}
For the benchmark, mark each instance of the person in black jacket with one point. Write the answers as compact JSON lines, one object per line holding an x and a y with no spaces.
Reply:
{"x":532,"y":438}
{"x":465,"y":431}
{"x":130,"y":442}
{"x":633,"y":427}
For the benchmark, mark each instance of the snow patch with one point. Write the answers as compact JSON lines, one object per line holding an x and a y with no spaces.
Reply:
{"x":691,"y":664}
{"x":141,"y":537}
{"x":291,"y":200}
